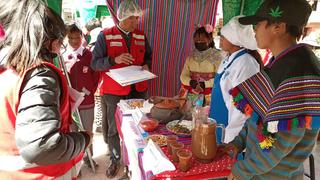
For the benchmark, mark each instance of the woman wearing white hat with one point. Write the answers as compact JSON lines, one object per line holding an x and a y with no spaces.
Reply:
{"x":240,"y":64}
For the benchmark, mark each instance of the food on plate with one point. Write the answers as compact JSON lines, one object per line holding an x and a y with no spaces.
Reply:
{"x":183,"y":128}
{"x":136,"y":103}
{"x":161,"y":140}
{"x":180,"y":129}
{"x":149,"y":124}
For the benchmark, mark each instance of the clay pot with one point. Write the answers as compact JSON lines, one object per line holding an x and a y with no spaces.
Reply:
{"x":165,"y":110}
{"x":167,"y":104}
{"x":165,"y":115}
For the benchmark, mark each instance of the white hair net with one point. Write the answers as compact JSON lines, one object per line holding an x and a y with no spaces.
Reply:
{"x":128,"y":8}
{"x":238,"y":34}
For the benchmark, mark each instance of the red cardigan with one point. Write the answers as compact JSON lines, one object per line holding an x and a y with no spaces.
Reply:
{"x":84,"y":79}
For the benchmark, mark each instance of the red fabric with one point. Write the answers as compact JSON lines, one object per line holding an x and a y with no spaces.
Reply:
{"x":218,"y":168}
{"x":8,"y":110}
{"x":137,"y":50}
{"x":83,"y":76}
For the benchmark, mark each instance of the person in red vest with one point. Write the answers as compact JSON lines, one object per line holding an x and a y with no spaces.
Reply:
{"x":120,"y":46}
{"x":35,"y":110}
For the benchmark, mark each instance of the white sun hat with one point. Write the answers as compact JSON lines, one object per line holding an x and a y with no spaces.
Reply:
{"x":239,"y":35}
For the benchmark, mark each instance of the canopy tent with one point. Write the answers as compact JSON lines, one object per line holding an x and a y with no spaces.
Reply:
{"x":89,"y":9}
{"x":169,"y":26}
{"x":233,"y":8}
{"x":56,"y":5}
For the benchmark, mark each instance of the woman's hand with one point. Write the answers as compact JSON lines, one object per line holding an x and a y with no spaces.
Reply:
{"x":199,"y":89}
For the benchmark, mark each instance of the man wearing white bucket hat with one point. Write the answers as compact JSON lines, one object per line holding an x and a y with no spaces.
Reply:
{"x":240,"y":64}
{"x":116,"y":47}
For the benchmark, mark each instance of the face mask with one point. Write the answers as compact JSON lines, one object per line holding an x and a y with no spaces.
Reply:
{"x":201,"y":46}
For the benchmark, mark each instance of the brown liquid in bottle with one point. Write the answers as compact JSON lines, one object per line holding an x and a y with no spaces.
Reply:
{"x":204,"y":145}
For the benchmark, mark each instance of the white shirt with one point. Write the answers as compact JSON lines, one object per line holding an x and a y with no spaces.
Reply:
{"x":70,"y":62}
{"x":79,"y":51}
{"x":240,"y":70}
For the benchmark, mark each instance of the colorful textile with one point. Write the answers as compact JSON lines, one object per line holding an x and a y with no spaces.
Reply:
{"x":219,"y":167}
{"x":201,"y":68}
{"x":169,"y":26}
{"x":292,"y":102}
{"x":281,"y":105}
{"x":289,"y":107}
{"x":284,"y":161}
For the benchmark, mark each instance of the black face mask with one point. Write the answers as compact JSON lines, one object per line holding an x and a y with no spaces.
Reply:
{"x":201,"y":46}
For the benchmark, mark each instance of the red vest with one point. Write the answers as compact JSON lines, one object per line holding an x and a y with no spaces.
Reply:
{"x":9,"y":152}
{"x":116,"y":45}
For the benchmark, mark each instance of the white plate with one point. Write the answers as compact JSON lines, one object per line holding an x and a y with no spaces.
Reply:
{"x":186,"y":123}
{"x":127,"y":109}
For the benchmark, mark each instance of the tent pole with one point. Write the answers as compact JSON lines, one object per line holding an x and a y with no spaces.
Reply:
{"x":242,"y":7}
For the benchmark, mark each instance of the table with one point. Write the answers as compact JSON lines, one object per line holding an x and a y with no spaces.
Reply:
{"x":132,"y":155}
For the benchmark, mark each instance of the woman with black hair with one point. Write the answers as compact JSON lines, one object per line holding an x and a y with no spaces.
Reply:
{"x":201,"y":66}
{"x":35,"y":110}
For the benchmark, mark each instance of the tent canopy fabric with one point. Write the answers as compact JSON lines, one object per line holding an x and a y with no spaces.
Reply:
{"x":56,"y":5}
{"x":89,"y":9}
{"x":233,"y":8}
